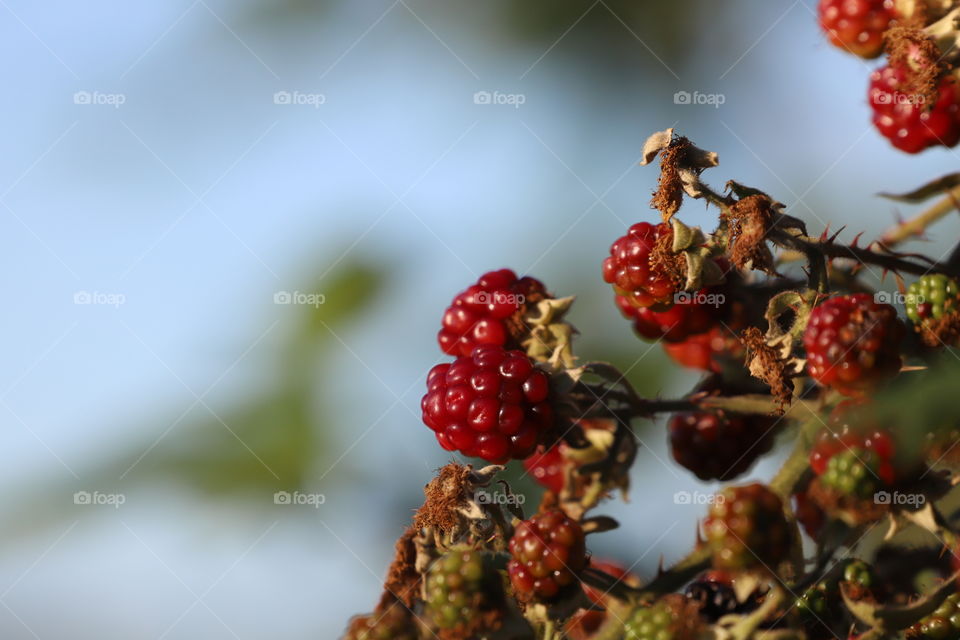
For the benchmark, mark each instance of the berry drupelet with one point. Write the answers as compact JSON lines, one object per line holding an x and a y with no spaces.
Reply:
{"x":493,"y":404}
{"x":547,"y":552}
{"x":489,"y":311}
{"x":852,"y":343}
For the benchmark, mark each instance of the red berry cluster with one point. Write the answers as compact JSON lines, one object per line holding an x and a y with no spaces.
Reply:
{"x":492,"y":404}
{"x":906,"y":119}
{"x":853,"y":343}
{"x":746,"y":528}
{"x":877,"y":441}
{"x":857,"y":25}
{"x":632,"y":273}
{"x":489,"y":312}
{"x":547,"y":552}
{"x":688,"y":317}
{"x":719,"y":446}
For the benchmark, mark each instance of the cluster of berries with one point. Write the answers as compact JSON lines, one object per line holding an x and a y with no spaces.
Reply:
{"x":913,"y":117}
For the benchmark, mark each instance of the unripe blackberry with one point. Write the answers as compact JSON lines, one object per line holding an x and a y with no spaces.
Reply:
{"x":633,"y":272}
{"x":489,"y":312}
{"x":719,"y":445}
{"x":547,"y":552}
{"x":493,"y":405}
{"x":459,"y":590}
{"x":671,"y":617}
{"x":931,"y":297}
{"x":852,"y":343}
{"x":906,"y":119}
{"x":687,"y":317}
{"x":942,"y":624}
{"x":547,"y":466}
{"x":746,"y":528}
{"x":394,"y":622}
{"x":857,"y":26}
{"x":710,"y":351}
{"x":854,"y":460}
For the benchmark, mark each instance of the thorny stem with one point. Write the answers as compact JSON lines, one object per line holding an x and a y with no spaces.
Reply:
{"x":916,"y":225}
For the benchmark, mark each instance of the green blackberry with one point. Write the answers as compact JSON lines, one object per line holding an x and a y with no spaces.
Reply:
{"x":942,"y":624}
{"x":746,"y":528}
{"x":669,"y":618}
{"x":931,"y":297}
{"x":459,"y":589}
{"x":853,"y":472}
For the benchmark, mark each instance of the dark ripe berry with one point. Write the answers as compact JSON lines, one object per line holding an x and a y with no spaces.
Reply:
{"x":853,"y":343}
{"x":906,"y":119}
{"x":857,"y":26}
{"x":631,"y":271}
{"x":394,"y":622}
{"x":493,"y":404}
{"x":714,"y":597}
{"x":710,"y":351}
{"x":547,"y":552}
{"x":746,"y":528}
{"x":931,"y":297}
{"x":459,"y":590}
{"x":719,"y":446}
{"x":942,"y":624}
{"x":546,"y":466}
{"x":690,"y":315}
{"x":489,"y":312}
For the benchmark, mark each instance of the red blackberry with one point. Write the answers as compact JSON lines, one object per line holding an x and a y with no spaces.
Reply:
{"x":492,"y":405}
{"x":853,"y":462}
{"x":643,"y":281}
{"x":546,"y":466}
{"x":489,"y":312}
{"x":852,"y":343}
{"x":907,"y":119}
{"x":718,"y":445}
{"x":547,"y":552}
{"x":685,"y":318}
{"x":857,"y":26}
{"x":394,"y":622}
{"x":746,"y":528}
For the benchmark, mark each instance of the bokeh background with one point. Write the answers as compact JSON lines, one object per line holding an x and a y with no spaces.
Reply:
{"x":174,"y":172}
